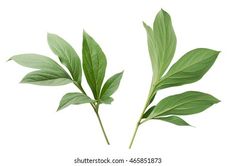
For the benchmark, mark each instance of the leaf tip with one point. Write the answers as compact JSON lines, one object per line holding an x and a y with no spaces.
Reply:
{"x":218,"y":52}
{"x":217,"y":100}
{"x":144,"y":24}
{"x":121,"y":73}
{"x":9,"y":59}
{"x":162,"y":10}
{"x":22,"y":82}
{"x":49,"y":34}
{"x":84,"y":32}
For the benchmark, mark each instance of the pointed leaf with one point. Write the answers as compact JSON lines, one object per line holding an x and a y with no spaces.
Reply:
{"x":152,"y":51}
{"x":46,"y":78}
{"x":111,"y":85}
{"x":165,"y":40}
{"x":187,"y":103}
{"x":37,"y":61}
{"x":94,"y":64}
{"x":73,"y":98}
{"x":190,"y":68}
{"x":174,"y":120}
{"x":67,"y":55}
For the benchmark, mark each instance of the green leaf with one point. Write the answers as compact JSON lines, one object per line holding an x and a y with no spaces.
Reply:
{"x":67,"y":55}
{"x":161,"y":43}
{"x":50,"y":73}
{"x":73,"y":98}
{"x":94,"y":64}
{"x":165,"y":38}
{"x":148,"y":112}
{"x":46,"y":78}
{"x":111,"y":85}
{"x":106,"y":100}
{"x":152,"y":51}
{"x":37,"y":61}
{"x":190,"y":68}
{"x":174,"y":120}
{"x":187,"y":103}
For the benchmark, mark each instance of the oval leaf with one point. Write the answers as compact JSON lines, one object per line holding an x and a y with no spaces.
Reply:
{"x":190,"y":68}
{"x":94,"y":64}
{"x":111,"y":85}
{"x":67,"y":55}
{"x":73,"y":98}
{"x":174,"y":120}
{"x":46,"y":78}
{"x":187,"y":103}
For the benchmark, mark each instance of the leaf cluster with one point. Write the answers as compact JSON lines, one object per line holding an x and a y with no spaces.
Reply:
{"x":49,"y":73}
{"x":190,"y":68}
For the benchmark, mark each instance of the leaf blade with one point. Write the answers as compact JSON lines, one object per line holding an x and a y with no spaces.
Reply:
{"x":152,"y":51}
{"x":46,"y":78}
{"x":67,"y":55}
{"x":94,"y":64}
{"x":165,"y":39}
{"x":187,"y":103}
{"x":189,"y":68}
{"x":111,"y":85}
{"x":73,"y":98}
{"x":37,"y":61}
{"x":174,"y":120}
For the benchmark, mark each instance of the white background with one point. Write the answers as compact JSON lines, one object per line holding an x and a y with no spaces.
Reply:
{"x":33,"y":133}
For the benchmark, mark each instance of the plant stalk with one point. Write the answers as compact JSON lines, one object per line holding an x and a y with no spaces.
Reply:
{"x":140,"y":118}
{"x":96,"y":110}
{"x":102,"y":127}
{"x":135,"y":131}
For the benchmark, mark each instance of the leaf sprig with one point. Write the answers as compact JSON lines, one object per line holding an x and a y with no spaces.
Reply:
{"x":50,"y":73}
{"x":190,"y":68}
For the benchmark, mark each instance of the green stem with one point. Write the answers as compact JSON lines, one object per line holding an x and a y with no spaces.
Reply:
{"x":102,"y":127}
{"x":136,"y":128}
{"x":135,"y":131}
{"x":141,"y":116}
{"x":96,"y":110}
